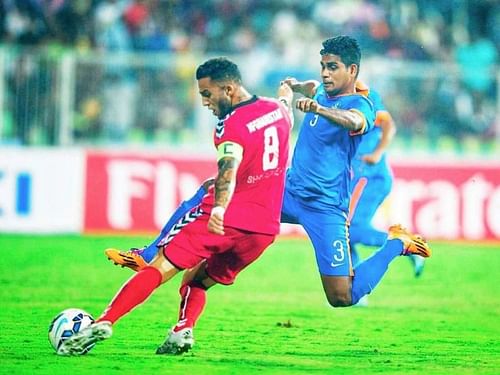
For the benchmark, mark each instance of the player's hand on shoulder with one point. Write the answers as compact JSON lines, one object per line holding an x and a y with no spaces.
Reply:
{"x":285,"y":91}
{"x":307,"y":105}
{"x":216,"y":221}
{"x":285,"y":94}
{"x":291,"y":82}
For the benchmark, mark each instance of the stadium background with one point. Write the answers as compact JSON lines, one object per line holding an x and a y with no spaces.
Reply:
{"x":101,"y":130}
{"x":101,"y":127}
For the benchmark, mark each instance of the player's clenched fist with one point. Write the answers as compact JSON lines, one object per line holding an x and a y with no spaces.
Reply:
{"x":216,"y":221}
{"x":307,"y":105}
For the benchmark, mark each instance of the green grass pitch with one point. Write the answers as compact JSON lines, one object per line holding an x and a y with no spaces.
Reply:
{"x":273,"y":320}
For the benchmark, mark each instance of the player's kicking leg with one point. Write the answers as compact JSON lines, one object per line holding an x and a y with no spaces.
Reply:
{"x":377,"y":238}
{"x":80,"y":342}
{"x":369,"y":272}
{"x":134,"y":292}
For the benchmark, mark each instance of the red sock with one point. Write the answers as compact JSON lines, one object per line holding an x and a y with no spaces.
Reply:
{"x":133,"y":292}
{"x":193,"y":298}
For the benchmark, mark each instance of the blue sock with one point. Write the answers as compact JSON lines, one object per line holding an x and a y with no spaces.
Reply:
{"x":367,"y":235}
{"x":375,"y":237}
{"x":369,"y":272}
{"x":151,"y":250}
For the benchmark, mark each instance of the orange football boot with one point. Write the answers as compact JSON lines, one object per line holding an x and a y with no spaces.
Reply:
{"x":132,"y":259}
{"x":412,"y":243}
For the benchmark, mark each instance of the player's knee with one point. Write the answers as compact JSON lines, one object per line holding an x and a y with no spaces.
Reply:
{"x":337,"y":290}
{"x":339,"y":300}
{"x":193,"y":284}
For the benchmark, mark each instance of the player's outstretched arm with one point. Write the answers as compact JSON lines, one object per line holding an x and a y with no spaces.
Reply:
{"x":306,"y":88}
{"x":352,"y":120}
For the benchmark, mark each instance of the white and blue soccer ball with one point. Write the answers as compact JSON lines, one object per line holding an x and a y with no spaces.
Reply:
{"x":66,"y":324}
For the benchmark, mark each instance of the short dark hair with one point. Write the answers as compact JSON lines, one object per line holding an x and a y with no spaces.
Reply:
{"x":219,"y":69}
{"x":345,"y":47}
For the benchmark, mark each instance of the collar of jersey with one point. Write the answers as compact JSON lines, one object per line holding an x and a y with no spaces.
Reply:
{"x":241,"y":104}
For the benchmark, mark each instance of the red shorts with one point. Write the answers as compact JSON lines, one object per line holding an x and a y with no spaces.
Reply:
{"x":226,"y":255}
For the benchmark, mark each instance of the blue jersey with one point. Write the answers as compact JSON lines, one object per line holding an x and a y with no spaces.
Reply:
{"x":320,"y":174}
{"x":370,"y":140}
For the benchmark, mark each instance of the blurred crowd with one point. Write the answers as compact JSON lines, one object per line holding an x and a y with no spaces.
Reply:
{"x":410,"y":29}
{"x":459,"y":32}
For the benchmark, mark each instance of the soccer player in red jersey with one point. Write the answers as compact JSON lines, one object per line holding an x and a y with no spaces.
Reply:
{"x":236,"y":221}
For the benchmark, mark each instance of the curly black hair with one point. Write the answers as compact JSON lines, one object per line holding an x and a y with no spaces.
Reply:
{"x":219,"y":69}
{"x":345,"y":47}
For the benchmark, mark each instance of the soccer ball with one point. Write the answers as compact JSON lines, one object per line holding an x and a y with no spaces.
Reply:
{"x":67,"y":323}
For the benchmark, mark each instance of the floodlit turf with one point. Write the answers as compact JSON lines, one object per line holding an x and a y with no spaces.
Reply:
{"x":273,"y":320}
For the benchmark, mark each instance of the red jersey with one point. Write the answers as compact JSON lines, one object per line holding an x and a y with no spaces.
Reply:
{"x":261,"y":126}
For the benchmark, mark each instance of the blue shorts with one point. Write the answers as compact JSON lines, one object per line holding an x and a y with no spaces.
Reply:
{"x":327,"y":230}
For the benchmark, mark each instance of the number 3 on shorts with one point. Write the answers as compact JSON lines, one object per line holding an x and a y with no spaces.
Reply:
{"x":271,"y":149}
{"x":339,"y":254}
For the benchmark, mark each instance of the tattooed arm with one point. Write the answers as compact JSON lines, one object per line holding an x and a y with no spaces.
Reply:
{"x":225,"y":181}
{"x":229,"y":159}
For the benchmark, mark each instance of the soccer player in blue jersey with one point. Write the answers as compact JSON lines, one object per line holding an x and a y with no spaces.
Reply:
{"x":372,"y":180}
{"x":317,"y":192}
{"x":318,"y":186}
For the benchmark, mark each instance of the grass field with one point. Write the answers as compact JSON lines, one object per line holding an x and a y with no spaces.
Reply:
{"x":448,"y":321}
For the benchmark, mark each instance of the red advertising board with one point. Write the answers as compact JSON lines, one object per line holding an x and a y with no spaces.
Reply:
{"x":138,"y":192}
{"x":447,"y":199}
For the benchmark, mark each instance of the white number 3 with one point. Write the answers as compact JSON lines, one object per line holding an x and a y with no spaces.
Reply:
{"x":339,"y":248}
{"x":271,"y":148}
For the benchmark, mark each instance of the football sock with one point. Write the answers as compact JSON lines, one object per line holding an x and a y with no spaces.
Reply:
{"x":133,"y":292}
{"x":367,"y":235}
{"x":374,"y":237}
{"x":193,"y":299}
{"x":369,"y":272}
{"x":151,"y":250}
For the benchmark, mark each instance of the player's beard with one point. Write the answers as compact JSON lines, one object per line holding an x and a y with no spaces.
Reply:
{"x":224,"y":108}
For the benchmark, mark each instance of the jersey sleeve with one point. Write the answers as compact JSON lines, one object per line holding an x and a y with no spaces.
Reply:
{"x":364,"y":107}
{"x":381,"y":113}
{"x":376,"y":100}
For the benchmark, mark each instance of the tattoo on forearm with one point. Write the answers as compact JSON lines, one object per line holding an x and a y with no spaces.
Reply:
{"x":225,"y":181}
